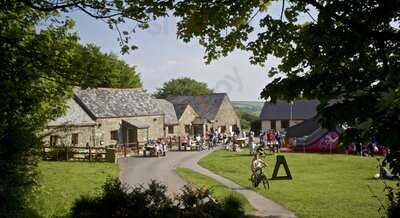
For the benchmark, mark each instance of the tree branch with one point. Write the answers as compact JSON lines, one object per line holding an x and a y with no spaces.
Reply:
{"x":97,"y":16}
{"x":50,"y":8}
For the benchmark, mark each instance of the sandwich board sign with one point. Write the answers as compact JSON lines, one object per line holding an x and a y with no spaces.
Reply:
{"x":280,"y":160}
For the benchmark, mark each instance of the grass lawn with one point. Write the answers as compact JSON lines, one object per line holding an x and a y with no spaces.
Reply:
{"x":219,"y":191}
{"x":323,"y":185}
{"x":63,"y":182}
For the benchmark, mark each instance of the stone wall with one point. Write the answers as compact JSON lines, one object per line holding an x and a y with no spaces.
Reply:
{"x":226,"y":116}
{"x":106,"y":125}
{"x":86,"y":134}
{"x":188,"y":116}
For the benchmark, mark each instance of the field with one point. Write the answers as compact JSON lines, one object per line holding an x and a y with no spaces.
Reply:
{"x":251,"y":107}
{"x":63,"y":182}
{"x":322,"y":185}
{"x":219,"y":191}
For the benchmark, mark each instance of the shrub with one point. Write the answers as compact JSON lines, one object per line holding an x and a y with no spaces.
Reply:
{"x":119,"y":200}
{"x":393,"y":195}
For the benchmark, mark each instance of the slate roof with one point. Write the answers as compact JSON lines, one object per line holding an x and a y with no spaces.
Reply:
{"x":75,"y":116}
{"x":302,"y":110}
{"x":136,"y":123}
{"x":169,"y":111}
{"x":179,"y":109}
{"x":207,"y":106}
{"x":304,"y":128}
{"x":107,"y":103}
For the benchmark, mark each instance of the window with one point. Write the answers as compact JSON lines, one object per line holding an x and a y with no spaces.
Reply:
{"x":273,"y":124}
{"x":171,"y":129}
{"x":284,"y":124}
{"x":53,"y":140}
{"x":74,"y":139}
{"x":187,"y":128}
{"x":114,"y":135}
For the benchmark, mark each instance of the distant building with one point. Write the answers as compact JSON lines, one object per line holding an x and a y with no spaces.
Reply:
{"x":104,"y":116}
{"x":186,"y":116}
{"x":285,"y":114}
{"x":198,"y":114}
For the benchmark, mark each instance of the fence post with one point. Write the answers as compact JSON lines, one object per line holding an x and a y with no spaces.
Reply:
{"x":66,"y":153}
{"x":90,"y":154}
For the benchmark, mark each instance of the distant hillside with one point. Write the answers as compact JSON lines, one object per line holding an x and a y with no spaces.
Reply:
{"x":252,"y":107}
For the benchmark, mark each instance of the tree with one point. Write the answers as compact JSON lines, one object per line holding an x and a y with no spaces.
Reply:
{"x":182,"y":86}
{"x":116,"y":73}
{"x":38,"y":69}
{"x":246,"y":119}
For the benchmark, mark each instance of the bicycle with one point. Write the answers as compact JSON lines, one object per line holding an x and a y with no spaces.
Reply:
{"x":258,"y":175}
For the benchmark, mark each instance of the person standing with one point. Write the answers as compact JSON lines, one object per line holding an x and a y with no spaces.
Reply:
{"x":251,"y":142}
{"x":278,"y":140}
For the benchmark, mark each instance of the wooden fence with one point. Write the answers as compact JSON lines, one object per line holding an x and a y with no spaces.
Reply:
{"x":67,"y":153}
{"x":109,"y":153}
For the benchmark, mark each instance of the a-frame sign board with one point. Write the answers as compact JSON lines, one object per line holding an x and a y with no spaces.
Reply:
{"x":280,"y":159}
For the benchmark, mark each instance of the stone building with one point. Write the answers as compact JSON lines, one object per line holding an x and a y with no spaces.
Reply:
{"x":104,"y":116}
{"x":186,"y":116}
{"x":205,"y":112}
{"x":285,"y":114}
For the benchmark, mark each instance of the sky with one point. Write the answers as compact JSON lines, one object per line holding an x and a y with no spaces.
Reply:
{"x":161,"y":57}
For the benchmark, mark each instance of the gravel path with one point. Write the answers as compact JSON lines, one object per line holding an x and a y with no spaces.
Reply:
{"x":141,"y":170}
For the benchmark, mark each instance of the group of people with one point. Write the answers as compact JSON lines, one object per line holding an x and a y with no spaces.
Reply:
{"x":159,"y":147}
{"x":205,"y":141}
{"x":272,"y":139}
{"x":366,"y":150}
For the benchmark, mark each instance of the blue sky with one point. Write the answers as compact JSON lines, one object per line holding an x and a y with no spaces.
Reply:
{"x":161,"y":57}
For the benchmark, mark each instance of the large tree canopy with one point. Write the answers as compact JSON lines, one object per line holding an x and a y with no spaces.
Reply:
{"x":182,"y":86}
{"x":115,"y":72}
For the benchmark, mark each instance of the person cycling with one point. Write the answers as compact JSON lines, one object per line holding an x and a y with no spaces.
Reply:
{"x":257,"y":165}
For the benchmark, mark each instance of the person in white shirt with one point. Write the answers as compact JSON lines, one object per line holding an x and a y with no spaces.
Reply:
{"x":257,"y":164}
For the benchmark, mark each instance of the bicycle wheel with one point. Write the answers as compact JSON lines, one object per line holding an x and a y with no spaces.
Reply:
{"x":265,"y":180}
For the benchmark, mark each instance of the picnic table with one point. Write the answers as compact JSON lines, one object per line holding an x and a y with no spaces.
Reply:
{"x":152,"y":150}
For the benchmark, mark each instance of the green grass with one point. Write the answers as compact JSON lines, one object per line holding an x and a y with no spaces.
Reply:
{"x":322,"y":186}
{"x":219,"y":191}
{"x":61,"y":183}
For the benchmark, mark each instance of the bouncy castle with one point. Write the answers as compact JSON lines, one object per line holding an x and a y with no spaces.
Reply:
{"x":309,"y":136}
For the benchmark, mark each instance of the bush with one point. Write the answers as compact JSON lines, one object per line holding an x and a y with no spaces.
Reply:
{"x":119,"y":200}
{"x":393,"y":195}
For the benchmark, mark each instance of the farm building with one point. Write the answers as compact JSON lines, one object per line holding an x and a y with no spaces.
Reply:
{"x":105,"y":116}
{"x":198,"y":114}
{"x":285,"y":114}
